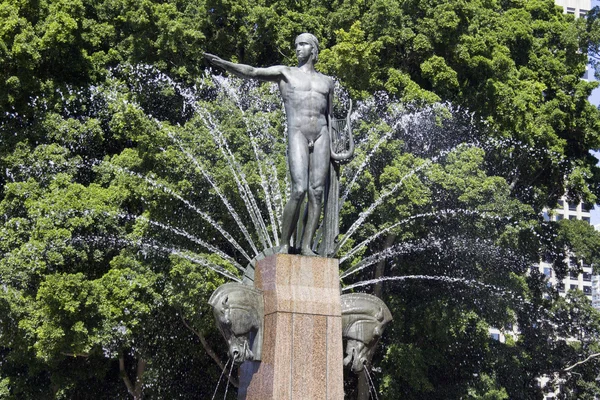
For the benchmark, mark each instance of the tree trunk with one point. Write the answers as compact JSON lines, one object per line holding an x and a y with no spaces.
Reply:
{"x":134,"y":389}
{"x":363,"y":384}
{"x":380,"y":269}
{"x":211,"y":353}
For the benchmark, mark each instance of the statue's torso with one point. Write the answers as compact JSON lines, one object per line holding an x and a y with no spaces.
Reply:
{"x":305,"y":96}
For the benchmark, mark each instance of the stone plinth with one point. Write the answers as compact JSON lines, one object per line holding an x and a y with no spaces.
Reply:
{"x":302,"y":356}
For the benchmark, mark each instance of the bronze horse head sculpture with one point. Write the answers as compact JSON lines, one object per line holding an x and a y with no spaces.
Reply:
{"x":238,"y":310}
{"x":364,"y":317}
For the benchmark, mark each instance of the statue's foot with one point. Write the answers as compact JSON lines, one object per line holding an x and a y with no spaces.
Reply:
{"x":307,"y":251}
{"x":283,"y":249}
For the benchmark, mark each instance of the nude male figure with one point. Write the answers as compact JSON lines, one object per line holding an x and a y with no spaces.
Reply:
{"x":308,"y":100}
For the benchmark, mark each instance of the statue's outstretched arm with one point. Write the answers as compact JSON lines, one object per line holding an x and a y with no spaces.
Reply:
{"x":274,"y":73}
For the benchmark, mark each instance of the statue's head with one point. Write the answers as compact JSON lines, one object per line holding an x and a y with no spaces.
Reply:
{"x":313,"y":41}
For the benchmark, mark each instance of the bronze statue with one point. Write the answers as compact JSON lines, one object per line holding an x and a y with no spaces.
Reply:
{"x":239,"y":312}
{"x":308,"y":100}
{"x":364,"y":318}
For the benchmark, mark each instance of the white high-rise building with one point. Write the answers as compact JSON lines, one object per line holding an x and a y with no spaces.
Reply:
{"x":576,"y":7}
{"x":596,"y":284}
{"x":585,"y":281}
{"x":566,"y":210}
{"x":582,"y":281}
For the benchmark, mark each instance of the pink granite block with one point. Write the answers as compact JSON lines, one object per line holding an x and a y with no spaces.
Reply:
{"x":273,"y":380}
{"x":308,"y":285}
{"x":309,"y":357}
{"x":335,"y":356}
{"x":302,"y":348}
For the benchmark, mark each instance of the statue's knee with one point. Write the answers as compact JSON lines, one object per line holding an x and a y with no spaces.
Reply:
{"x":317,"y":193}
{"x":298,"y":193}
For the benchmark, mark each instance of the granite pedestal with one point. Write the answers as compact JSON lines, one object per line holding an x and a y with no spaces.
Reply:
{"x":302,"y":356}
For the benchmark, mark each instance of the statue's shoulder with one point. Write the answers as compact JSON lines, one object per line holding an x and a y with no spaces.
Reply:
{"x":325,"y":77}
{"x":329,"y":80}
{"x":282,"y":70}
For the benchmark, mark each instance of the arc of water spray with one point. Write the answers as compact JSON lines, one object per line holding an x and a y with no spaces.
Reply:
{"x":220,"y":378}
{"x":398,"y":249}
{"x":228,"y":380}
{"x":194,"y":239}
{"x":265,"y":187}
{"x":252,"y":205}
{"x":196,"y":260}
{"x":191,"y":101}
{"x":441,"y":278}
{"x":425,"y":243}
{"x":365,"y":214}
{"x":381,"y":232}
{"x":276,"y":189}
{"x":240,"y":180}
{"x":228,"y":205}
{"x":371,"y":384}
{"x":402,"y":121}
{"x":363,"y":165}
{"x":202,"y":214}
{"x":407,"y":220}
{"x":154,"y":246}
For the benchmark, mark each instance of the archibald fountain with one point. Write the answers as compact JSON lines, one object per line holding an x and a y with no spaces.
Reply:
{"x":285,"y":322}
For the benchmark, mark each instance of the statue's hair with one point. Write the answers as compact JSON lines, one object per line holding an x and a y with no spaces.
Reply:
{"x":313,"y":41}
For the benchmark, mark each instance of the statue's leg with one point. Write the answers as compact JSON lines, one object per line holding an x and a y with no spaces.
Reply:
{"x":317,"y":177}
{"x":298,"y":163}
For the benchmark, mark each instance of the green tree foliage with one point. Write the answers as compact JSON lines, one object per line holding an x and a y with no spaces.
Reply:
{"x":114,"y":171}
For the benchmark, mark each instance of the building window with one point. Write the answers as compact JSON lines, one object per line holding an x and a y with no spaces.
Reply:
{"x":548,"y":272}
{"x":582,"y":13}
{"x":587,"y":277}
{"x":570,"y":10}
{"x":574,"y":275}
{"x":560,"y":287}
{"x":573,"y":287}
{"x":586,"y":219}
{"x":559,"y":217}
{"x":561,"y":204}
{"x":587,"y":289}
{"x":585,"y":208}
{"x":573,"y":261}
{"x":495,"y":336}
{"x":546,"y":216}
{"x":573,"y":206}
{"x":572,"y":217}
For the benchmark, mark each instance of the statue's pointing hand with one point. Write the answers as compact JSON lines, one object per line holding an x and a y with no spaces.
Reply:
{"x":214,"y":60}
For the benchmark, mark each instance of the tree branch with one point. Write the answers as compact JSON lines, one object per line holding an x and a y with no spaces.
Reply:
{"x":211,"y":352}
{"x":567,"y":369}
